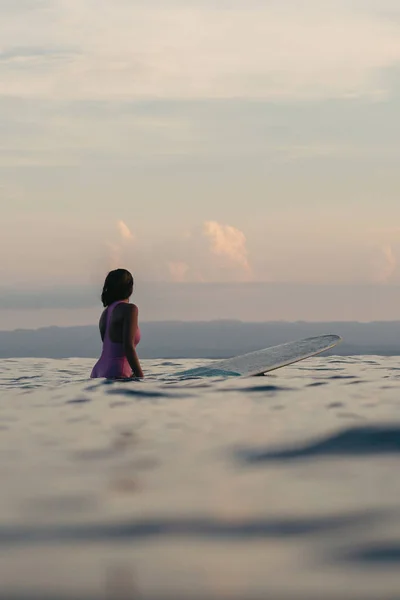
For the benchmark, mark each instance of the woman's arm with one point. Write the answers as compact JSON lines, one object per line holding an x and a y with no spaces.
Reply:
{"x":129,"y":332}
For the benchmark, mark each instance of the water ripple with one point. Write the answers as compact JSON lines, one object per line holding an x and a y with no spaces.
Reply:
{"x":163,"y":473}
{"x":201,"y":527}
{"x":384,"y":553}
{"x":354,"y":441}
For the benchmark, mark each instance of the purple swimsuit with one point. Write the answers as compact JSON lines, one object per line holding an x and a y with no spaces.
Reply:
{"x":113,"y":363}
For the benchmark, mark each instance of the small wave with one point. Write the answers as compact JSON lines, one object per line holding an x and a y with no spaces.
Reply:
{"x":204,"y":527}
{"x":343,"y":377}
{"x":138,"y":393}
{"x":169,"y":363}
{"x":267,"y":388}
{"x":317,"y":384}
{"x":26,"y":378}
{"x":355,"y":441}
{"x":385,"y":553}
{"x":80,"y":400}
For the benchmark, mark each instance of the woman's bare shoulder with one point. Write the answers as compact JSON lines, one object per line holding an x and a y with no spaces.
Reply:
{"x":129,"y":310}
{"x":132,"y":308}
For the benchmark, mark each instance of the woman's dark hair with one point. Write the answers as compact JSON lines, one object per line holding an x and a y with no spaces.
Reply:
{"x":117,"y":286}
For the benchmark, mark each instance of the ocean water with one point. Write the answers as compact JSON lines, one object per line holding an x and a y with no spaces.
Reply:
{"x":285,"y":486}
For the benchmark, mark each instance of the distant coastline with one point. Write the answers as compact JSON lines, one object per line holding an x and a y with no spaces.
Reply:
{"x":207,"y":339}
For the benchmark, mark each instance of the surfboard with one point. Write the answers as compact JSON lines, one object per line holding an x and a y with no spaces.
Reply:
{"x":264,"y":361}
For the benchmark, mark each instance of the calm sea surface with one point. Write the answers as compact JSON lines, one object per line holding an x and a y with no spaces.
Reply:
{"x":286,"y":486}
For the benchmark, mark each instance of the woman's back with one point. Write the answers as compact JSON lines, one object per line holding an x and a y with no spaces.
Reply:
{"x":112,"y":323}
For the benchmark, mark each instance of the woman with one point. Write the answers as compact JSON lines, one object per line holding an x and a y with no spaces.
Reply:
{"x":119,"y":329}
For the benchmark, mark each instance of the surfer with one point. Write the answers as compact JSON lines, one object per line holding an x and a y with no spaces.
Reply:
{"x":119,"y":329}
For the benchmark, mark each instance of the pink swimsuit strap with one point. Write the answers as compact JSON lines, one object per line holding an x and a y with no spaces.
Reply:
{"x":111,"y":349}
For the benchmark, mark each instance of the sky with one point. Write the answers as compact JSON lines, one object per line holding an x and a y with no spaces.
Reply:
{"x":237,"y":141}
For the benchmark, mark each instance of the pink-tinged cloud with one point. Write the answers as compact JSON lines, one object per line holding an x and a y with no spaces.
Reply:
{"x":124,"y":231}
{"x":228,"y":242}
{"x":118,"y":249}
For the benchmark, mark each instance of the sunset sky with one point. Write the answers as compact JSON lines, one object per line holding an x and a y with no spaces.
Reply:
{"x":198,"y":141}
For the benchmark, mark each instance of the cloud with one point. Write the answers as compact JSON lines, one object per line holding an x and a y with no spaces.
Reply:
{"x":385,"y":264}
{"x":208,"y":252}
{"x":196,"y":50}
{"x":229,"y":242}
{"x":21,"y":56}
{"x":118,"y":250}
{"x":124,"y":231}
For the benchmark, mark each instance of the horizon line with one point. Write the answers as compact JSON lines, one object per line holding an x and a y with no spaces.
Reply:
{"x":211,"y":321}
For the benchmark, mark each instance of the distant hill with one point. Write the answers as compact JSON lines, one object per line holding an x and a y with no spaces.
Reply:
{"x":211,"y":339}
